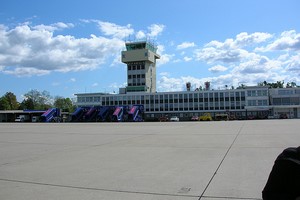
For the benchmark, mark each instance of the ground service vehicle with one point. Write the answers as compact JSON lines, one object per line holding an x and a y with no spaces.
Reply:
{"x":195,"y":118}
{"x":22,"y":118}
{"x":220,"y":117}
{"x":164,"y":119}
{"x":205,"y":117}
{"x":174,"y":119}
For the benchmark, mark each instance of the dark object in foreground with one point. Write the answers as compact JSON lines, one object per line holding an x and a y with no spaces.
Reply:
{"x":284,"y":179}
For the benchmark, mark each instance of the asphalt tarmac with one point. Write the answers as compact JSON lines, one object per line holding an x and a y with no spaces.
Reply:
{"x":142,"y":161}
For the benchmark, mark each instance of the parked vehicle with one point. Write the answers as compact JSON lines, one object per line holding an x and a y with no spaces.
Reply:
{"x":35,"y":118}
{"x":251,"y":117}
{"x":164,"y":119}
{"x":195,"y":118}
{"x":22,"y":118}
{"x":220,"y":117}
{"x":283,"y":116}
{"x":205,"y":117}
{"x":174,"y":119}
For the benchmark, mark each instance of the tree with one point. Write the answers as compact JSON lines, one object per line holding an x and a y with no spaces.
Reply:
{"x":9,"y":102}
{"x":40,"y":100}
{"x":278,"y":84}
{"x":242,"y":86}
{"x":4,"y":105}
{"x":64,"y":103}
{"x":27,"y":104}
{"x":291,"y":85}
{"x":12,"y":100}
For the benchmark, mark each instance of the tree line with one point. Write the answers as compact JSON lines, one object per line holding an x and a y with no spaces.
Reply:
{"x":35,"y":100}
{"x":278,"y":84}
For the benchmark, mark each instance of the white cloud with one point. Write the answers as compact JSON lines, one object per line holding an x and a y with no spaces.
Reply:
{"x":170,"y":84}
{"x":215,"y":54}
{"x":258,"y":65}
{"x":185,"y":45}
{"x":244,"y":39}
{"x":95,"y":84}
{"x":247,"y":65}
{"x":167,"y":83}
{"x":72,"y":79}
{"x":111,"y":29}
{"x":155,"y":30}
{"x":164,"y":74}
{"x":140,"y":35}
{"x":217,"y":68}
{"x":231,"y":50}
{"x":288,"y":40}
{"x":26,"y":72}
{"x":53,"y":27}
{"x":55,"y":84}
{"x":164,"y":58}
{"x":293,"y":65}
{"x":187,"y":59}
{"x":28,"y":51}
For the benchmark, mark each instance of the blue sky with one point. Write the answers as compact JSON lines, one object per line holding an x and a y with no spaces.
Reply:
{"x":68,"y":47}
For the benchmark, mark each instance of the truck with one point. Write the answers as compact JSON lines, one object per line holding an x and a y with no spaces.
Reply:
{"x":22,"y":118}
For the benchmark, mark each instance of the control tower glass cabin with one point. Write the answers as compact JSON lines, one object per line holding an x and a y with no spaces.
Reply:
{"x":140,"y":58}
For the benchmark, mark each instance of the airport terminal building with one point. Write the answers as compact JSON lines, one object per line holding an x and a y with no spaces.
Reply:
{"x":243,"y":103}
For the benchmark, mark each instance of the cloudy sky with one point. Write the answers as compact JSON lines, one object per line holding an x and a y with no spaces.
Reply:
{"x":68,"y":47}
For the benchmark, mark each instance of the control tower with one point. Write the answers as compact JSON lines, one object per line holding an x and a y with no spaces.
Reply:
{"x":140,"y":58}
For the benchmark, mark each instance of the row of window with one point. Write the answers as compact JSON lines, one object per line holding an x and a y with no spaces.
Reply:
{"x":193,"y":107}
{"x":257,"y":93}
{"x":157,"y":101}
{"x":258,"y":102}
{"x":172,"y":98}
{"x":136,"y":76}
{"x":286,"y":101}
{"x":88,"y":99}
{"x":136,"y":66}
{"x":138,"y":83}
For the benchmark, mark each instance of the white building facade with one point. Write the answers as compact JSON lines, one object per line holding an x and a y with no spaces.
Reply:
{"x":249,"y":102}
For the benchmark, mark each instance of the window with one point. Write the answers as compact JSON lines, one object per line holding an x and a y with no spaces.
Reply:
{"x":285,"y":92}
{"x":251,"y":102}
{"x":286,"y":101}
{"x":259,"y":93}
{"x":185,"y":98}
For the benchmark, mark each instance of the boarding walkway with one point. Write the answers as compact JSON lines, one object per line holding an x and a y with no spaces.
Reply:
{"x":142,"y":161}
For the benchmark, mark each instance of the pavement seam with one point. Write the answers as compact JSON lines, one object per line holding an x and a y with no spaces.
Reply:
{"x":213,"y":176}
{"x":95,"y":189}
{"x":238,"y":198}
